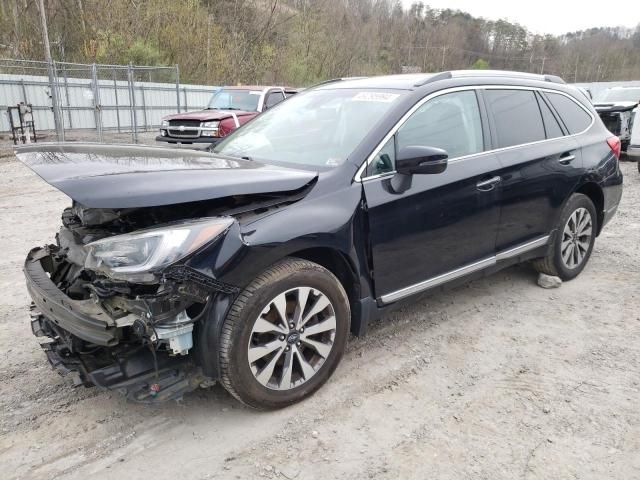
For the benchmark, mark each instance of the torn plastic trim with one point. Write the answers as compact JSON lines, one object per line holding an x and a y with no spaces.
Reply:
{"x":134,"y":373}
{"x":185,"y":273}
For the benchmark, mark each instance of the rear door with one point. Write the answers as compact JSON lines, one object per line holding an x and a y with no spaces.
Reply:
{"x":443,"y":225}
{"x":540,"y":164}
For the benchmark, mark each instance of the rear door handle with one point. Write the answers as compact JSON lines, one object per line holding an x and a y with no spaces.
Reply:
{"x":489,"y":184}
{"x":566,"y":158}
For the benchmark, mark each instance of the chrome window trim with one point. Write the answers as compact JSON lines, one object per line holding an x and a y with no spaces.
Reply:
{"x":358,"y":177}
{"x":462,"y":271}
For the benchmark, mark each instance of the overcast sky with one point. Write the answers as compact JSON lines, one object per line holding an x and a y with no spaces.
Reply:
{"x":549,"y":16}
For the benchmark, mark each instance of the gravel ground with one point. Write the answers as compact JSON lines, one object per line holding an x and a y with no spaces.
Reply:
{"x":498,"y":379}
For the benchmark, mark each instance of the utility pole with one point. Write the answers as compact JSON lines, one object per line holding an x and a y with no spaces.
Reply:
{"x":54,"y":91}
{"x":444,"y":51}
{"x":542,"y":67}
{"x":424,"y":57}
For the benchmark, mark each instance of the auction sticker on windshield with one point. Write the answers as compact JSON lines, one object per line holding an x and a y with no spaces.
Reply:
{"x":375,"y":97}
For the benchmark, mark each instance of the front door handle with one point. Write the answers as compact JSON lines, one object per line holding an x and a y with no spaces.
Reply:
{"x":566,"y":158}
{"x":489,"y":184}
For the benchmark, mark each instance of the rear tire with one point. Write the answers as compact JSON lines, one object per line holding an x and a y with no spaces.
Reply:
{"x":268,"y":361}
{"x":573,"y":241}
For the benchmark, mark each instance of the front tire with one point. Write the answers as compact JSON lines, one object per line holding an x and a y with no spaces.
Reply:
{"x":284,"y":335}
{"x":573,"y":241}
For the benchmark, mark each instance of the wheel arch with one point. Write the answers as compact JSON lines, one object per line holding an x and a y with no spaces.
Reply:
{"x":342,"y":267}
{"x":594,"y":192}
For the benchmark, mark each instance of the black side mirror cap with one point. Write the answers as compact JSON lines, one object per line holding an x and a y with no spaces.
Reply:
{"x":420,"y":160}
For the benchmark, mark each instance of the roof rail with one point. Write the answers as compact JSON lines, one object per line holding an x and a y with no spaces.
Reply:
{"x":553,"y":79}
{"x":506,"y":74}
{"x":333,"y":80}
{"x":434,"y":78}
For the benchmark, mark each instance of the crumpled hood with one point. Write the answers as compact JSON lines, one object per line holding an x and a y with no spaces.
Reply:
{"x":132,"y":176}
{"x":208,"y":115}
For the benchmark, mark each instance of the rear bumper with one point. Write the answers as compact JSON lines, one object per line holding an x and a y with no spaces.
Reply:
{"x":83,"y":319}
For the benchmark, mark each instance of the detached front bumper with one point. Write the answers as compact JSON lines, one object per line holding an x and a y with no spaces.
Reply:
{"x":83,"y":319}
{"x":84,"y":343}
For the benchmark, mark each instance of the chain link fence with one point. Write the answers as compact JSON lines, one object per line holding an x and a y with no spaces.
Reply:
{"x":95,"y":101}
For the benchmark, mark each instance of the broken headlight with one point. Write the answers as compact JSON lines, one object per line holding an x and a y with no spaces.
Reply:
{"x":136,"y":254}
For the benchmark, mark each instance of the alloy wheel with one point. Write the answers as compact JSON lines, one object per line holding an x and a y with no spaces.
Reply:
{"x":292,"y":338}
{"x":576,"y":238}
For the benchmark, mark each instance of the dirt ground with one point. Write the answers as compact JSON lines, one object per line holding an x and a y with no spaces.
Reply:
{"x":498,"y":379}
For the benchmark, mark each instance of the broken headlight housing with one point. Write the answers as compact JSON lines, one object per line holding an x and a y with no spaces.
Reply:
{"x":133,"y":256}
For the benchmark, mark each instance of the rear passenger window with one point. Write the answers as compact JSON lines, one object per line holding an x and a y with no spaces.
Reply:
{"x":516,"y":115}
{"x":574,"y":117}
{"x":551,"y":125}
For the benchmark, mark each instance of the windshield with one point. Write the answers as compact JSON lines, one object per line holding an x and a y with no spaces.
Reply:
{"x":316,"y":128}
{"x":622,"y":95}
{"x":230,"y":99}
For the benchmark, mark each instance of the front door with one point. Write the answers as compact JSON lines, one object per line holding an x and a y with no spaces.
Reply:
{"x":443,"y":225}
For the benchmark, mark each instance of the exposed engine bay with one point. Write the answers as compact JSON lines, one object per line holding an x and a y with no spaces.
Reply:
{"x":120,"y":326}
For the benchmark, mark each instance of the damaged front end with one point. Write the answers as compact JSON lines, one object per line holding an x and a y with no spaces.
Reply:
{"x":119,"y":304}
{"x":132,"y":295}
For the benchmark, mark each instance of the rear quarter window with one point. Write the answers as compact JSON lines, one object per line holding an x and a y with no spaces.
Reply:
{"x":516,"y":116}
{"x":574,"y":117}
{"x":550,"y":123}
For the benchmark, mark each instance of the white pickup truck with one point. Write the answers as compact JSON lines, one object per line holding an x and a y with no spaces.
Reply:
{"x":619,"y":107}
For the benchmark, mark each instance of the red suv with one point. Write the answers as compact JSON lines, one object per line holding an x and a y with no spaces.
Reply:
{"x":228,"y":108}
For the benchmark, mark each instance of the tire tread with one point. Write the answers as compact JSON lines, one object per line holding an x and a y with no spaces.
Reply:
{"x":288,"y":265}
{"x":548,"y":264}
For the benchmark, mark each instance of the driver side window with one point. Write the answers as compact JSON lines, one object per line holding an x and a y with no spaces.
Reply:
{"x":450,"y":121}
{"x":385,"y":160}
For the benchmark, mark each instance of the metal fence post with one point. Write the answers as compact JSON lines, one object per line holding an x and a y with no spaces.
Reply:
{"x":178,"y":86}
{"x":96,"y":100}
{"x":115,"y":93}
{"x":56,"y":86}
{"x":132,"y":105}
{"x":66,"y":92}
{"x":186,"y":103}
{"x":144,"y":108}
{"x":24,"y":91}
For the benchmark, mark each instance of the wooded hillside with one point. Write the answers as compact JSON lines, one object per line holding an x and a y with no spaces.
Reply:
{"x":299,"y":42}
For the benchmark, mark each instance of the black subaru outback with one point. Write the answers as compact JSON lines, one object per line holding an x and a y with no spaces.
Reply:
{"x":250,"y":265}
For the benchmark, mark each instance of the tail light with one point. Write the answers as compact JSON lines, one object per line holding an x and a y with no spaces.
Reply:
{"x":615,"y":146}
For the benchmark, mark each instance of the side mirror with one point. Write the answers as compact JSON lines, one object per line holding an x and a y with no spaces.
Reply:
{"x":418,"y":160}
